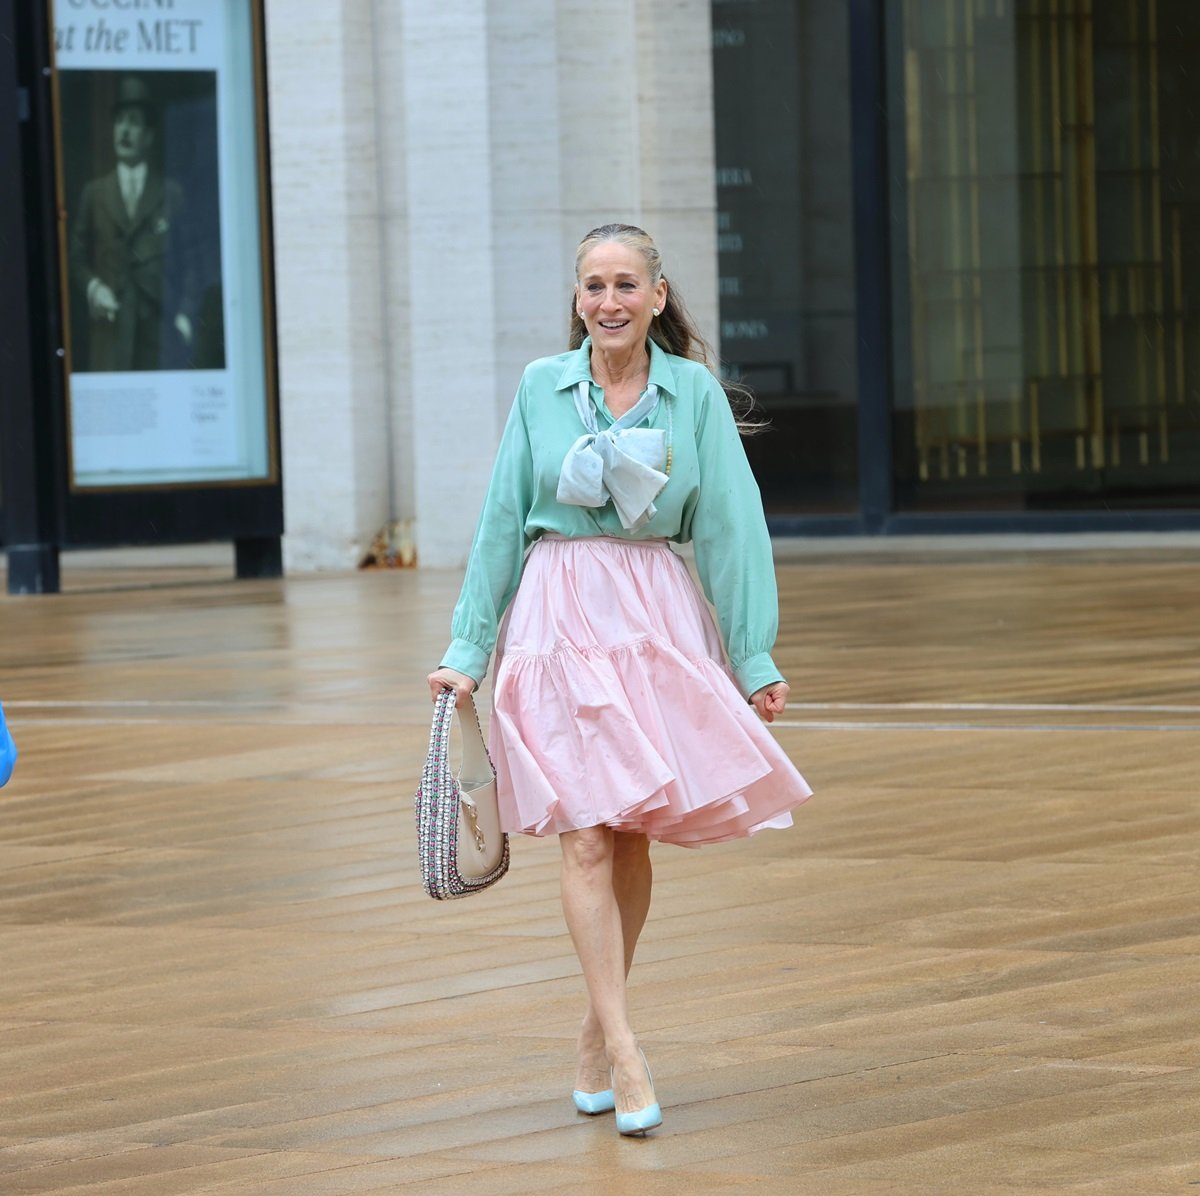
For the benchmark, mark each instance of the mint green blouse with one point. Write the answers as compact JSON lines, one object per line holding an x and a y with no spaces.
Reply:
{"x":711,"y":499}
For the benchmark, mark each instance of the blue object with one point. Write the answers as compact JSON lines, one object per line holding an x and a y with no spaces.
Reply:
{"x":632,"y":1124}
{"x":8,"y":751}
{"x":592,"y":1103}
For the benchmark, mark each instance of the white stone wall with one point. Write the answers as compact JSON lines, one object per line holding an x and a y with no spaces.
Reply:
{"x":324,"y":159}
{"x":434,"y":166}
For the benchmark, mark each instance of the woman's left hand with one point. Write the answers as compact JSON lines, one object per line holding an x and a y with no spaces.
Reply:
{"x":770,"y":700}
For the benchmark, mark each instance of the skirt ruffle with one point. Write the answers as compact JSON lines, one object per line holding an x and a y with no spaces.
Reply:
{"x":612,"y":705}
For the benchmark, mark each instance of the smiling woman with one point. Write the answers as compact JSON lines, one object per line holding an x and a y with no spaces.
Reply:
{"x":619,"y":716}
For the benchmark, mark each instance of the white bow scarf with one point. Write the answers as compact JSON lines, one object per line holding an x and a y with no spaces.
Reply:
{"x":623,"y":462}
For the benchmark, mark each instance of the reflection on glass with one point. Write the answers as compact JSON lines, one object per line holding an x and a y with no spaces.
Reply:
{"x":1053,"y":236}
{"x":785,"y":241}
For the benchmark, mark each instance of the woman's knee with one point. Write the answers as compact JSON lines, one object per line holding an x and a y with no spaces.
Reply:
{"x":587,"y":849}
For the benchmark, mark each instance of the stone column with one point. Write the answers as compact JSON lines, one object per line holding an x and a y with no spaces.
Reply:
{"x":676,"y":148}
{"x":451,"y":327}
{"x":328,"y":302}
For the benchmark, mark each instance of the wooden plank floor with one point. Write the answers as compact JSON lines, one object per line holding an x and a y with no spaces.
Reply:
{"x":971,"y":968}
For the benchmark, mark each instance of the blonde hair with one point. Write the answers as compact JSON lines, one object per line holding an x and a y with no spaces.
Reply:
{"x":673,"y":329}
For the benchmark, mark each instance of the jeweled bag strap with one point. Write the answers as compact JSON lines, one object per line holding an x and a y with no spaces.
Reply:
{"x":439,"y":735}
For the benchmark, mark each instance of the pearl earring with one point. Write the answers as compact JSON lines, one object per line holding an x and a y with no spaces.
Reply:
{"x":654,"y":311}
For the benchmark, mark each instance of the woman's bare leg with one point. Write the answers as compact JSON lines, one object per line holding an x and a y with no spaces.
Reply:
{"x":632,"y":881}
{"x":591,"y":881}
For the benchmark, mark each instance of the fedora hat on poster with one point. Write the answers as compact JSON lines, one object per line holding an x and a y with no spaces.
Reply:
{"x":132,"y":92}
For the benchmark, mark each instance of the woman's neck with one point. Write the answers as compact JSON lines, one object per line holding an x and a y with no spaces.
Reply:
{"x":611,"y":370}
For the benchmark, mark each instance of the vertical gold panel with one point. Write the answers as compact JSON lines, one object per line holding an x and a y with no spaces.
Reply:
{"x":1088,"y":238}
{"x":957,"y":253}
{"x":1177,"y":304}
{"x":1156,"y":233}
{"x":1137,"y":279}
{"x":981,"y":422}
{"x":920,"y":319}
{"x":1035,"y":429}
{"x":1014,"y":402}
{"x":1060,"y":236}
{"x":1041,"y":260}
{"x":1067,"y":130}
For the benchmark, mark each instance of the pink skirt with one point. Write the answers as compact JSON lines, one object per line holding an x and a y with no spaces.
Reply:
{"x":613,"y":705}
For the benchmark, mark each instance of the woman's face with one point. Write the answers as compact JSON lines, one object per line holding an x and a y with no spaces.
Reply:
{"x":615,"y":298}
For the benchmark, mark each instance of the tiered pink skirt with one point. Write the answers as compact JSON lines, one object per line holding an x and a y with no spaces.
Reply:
{"x":612,"y":705}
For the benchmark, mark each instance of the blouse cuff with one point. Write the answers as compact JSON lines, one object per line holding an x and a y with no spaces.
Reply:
{"x":756,"y":671}
{"x":465,"y":657}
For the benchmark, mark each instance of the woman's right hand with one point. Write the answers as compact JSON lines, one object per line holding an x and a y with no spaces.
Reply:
{"x":443,"y":679}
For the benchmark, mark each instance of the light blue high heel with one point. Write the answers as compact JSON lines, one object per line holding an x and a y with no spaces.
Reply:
{"x":637,"y":1123}
{"x":592,"y":1103}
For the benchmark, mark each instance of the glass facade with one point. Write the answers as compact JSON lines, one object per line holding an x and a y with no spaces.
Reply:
{"x":1037,"y":173}
{"x":1048,"y":311}
{"x":786,"y":242}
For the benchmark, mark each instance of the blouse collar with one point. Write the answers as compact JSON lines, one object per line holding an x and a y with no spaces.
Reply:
{"x":578,"y":368}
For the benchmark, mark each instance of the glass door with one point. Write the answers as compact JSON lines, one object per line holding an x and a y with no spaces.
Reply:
{"x":1050,"y":308}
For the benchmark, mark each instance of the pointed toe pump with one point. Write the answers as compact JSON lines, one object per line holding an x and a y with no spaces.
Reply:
{"x":592,"y":1103}
{"x":633,"y":1125}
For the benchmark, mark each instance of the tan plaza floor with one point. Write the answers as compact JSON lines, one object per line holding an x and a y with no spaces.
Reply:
{"x":971,"y":967}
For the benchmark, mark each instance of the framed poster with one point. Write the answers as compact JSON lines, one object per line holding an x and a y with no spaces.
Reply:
{"x":170,"y":373}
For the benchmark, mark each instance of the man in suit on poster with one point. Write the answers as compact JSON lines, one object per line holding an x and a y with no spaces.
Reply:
{"x":129,"y":256}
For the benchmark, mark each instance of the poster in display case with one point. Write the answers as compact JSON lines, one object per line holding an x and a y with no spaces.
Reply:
{"x":164,"y":243}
